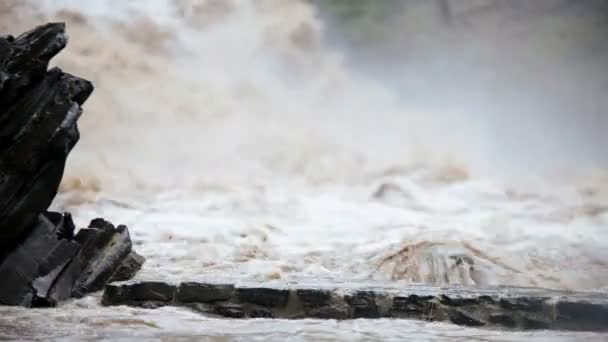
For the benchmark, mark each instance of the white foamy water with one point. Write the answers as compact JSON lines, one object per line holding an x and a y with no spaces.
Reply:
{"x":237,"y":146}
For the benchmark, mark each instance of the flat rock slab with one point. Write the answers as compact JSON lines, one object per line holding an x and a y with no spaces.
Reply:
{"x":502,"y":307}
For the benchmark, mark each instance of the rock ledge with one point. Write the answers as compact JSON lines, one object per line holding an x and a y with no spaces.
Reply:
{"x":504,"y":307}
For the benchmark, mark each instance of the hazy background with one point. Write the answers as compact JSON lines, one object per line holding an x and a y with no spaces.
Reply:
{"x":536,"y":72}
{"x":515,"y":84}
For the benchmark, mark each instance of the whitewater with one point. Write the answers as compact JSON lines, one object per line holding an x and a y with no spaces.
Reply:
{"x":238,"y":146}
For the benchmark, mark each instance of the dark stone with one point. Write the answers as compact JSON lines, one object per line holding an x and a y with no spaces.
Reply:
{"x":62,"y":289}
{"x":102,"y":253}
{"x":272,"y":298}
{"x":100,"y":223}
{"x":412,"y":305}
{"x":41,"y":261}
{"x":38,"y":114}
{"x":535,"y":324}
{"x":24,"y":59}
{"x":41,"y":302}
{"x":200,"y":308}
{"x":128,"y":267}
{"x":116,"y":295}
{"x":203,"y":293}
{"x":456,"y":300}
{"x":363,"y":304}
{"x":328,"y":312}
{"x":581,"y":315}
{"x":151,"y":304}
{"x":63,"y":222}
{"x":573,"y":311}
{"x":523,"y":304}
{"x":460,"y":317}
{"x":261,"y":313}
{"x":230,"y":310}
{"x":154,"y":292}
{"x":502,"y":319}
{"x":314,"y":297}
{"x":31,"y":269}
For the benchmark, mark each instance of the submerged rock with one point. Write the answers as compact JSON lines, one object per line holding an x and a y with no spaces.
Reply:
{"x":529,"y":308}
{"x":42,"y":260}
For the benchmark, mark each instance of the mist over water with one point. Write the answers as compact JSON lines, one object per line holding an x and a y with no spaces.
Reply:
{"x":243,"y":110}
{"x":197,"y":91}
{"x":241,"y":141}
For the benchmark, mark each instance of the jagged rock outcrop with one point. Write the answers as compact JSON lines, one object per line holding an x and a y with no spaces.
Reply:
{"x":502,"y":307}
{"x":42,"y":259}
{"x":38,"y":114}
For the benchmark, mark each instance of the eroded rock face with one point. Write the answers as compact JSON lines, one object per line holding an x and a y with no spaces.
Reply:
{"x":38,"y":114}
{"x":28,"y":273}
{"x":42,"y":260}
{"x":511,"y":308}
{"x":47,"y":267}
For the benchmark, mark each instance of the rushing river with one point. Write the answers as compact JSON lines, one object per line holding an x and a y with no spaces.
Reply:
{"x":238,"y":147}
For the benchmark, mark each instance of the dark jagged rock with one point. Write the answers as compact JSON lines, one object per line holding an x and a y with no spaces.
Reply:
{"x":363,"y":304}
{"x":502,"y":319}
{"x":463,"y":318}
{"x":531,"y":323}
{"x":263,"y":296}
{"x":328,"y":312}
{"x":103,"y":251}
{"x":42,"y":260}
{"x":581,"y":314}
{"x":46,"y":268}
{"x":412,"y":305}
{"x":560,"y":310}
{"x":128,"y":268}
{"x":313,"y":297}
{"x":31,"y":269}
{"x":65,"y":224}
{"x":203,"y":293}
{"x":38,"y":114}
{"x":524,"y":304}
{"x":139,"y":294}
{"x":261,"y":313}
{"x":230,"y":310}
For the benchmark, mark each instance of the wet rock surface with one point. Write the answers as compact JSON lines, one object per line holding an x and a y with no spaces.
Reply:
{"x":263,"y":296}
{"x":528,"y":308}
{"x":43,"y":259}
{"x":363,"y":304}
{"x":203,"y":293}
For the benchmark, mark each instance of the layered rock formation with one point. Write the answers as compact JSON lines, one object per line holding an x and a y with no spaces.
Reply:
{"x":42,"y":259}
{"x":511,"y":308}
